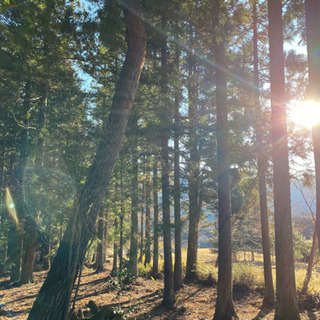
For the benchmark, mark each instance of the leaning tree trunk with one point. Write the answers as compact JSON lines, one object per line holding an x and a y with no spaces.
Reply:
{"x":286,"y":304}
{"x":53,"y":299}
{"x":224,"y":306}
{"x":268,"y":299}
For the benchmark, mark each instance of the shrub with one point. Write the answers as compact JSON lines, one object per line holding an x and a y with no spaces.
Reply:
{"x":207,"y":273}
{"x":143,"y":270}
{"x":245,"y":274}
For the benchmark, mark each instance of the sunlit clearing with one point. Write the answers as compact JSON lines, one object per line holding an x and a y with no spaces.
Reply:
{"x":305,"y":113}
{"x":10,"y":206}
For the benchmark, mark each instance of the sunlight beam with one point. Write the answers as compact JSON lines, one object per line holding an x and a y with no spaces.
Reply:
{"x":11,"y":206}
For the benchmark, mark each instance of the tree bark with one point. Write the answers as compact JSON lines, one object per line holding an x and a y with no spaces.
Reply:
{"x":306,"y":281}
{"x":155,"y":264}
{"x":268,"y":299}
{"x":53,"y":299}
{"x":168,"y":292}
{"x":31,"y":229}
{"x":148,"y":218}
{"x":30,"y":241}
{"x":121,"y":216}
{"x":224,"y":305}
{"x":312,"y":11}
{"x":176,"y":191}
{"x":286,"y":304}
{"x":194,"y":212}
{"x":15,"y":235}
{"x":142,"y":212}
{"x":115,"y":248}
{"x":99,"y":265}
{"x":134,"y":213}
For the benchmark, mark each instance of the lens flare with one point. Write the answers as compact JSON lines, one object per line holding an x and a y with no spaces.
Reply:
{"x":11,"y":206}
{"x":305,"y":113}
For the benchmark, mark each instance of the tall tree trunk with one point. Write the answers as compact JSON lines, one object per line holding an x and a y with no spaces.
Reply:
{"x":115,"y":248}
{"x":99,"y":265}
{"x":148,"y":217}
{"x":168,"y":293}
{"x":268,"y":299}
{"x":31,"y":229}
{"x":134,"y":213}
{"x":306,"y":281}
{"x":30,"y":240}
{"x":194,"y":212}
{"x":3,"y":185}
{"x":15,"y":234}
{"x":53,"y":299}
{"x":121,"y":216}
{"x":286,"y":305}
{"x":155,"y":264}
{"x":142,"y":211}
{"x":224,"y":305}
{"x":312,"y":11}
{"x":176,"y":190}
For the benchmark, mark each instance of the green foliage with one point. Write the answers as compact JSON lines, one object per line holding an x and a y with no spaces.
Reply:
{"x":122,"y":281}
{"x":143,"y":270}
{"x":301,"y":246}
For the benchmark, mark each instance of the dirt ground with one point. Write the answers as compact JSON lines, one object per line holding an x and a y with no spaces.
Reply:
{"x":141,"y":301}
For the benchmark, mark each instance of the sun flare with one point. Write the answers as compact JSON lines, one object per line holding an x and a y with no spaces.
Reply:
{"x":305,"y":113}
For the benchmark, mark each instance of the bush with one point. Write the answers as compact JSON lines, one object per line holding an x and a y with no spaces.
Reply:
{"x":143,"y":270}
{"x":207,"y":274}
{"x":122,"y":281}
{"x":245,"y":274}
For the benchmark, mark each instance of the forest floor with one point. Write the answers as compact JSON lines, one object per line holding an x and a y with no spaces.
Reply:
{"x":140,"y":300}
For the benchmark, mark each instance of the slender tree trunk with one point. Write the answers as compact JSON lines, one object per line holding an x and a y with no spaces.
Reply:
{"x":306,"y":281}
{"x":312,"y":11}
{"x":53,"y":299}
{"x":224,"y":305}
{"x":30,"y":227}
{"x":286,"y":304}
{"x":15,"y":235}
{"x":142,"y":212}
{"x":176,"y":191}
{"x":194,"y":212}
{"x":148,"y":218}
{"x":105,"y":236}
{"x":99,"y":265}
{"x":168,"y":293}
{"x":134,"y":213}
{"x":155,"y":264}
{"x":121,"y":216}
{"x":268,"y":299}
{"x":30,"y":241}
{"x":115,"y":249}
{"x":3,"y":186}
